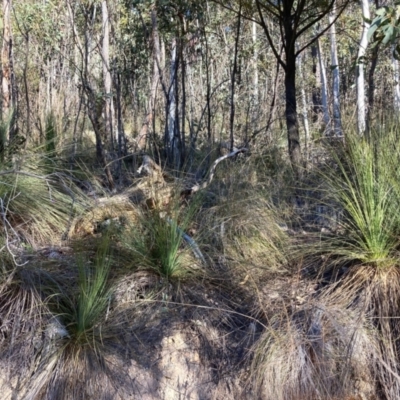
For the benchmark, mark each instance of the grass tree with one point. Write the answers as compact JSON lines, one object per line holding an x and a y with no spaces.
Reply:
{"x":361,"y":261}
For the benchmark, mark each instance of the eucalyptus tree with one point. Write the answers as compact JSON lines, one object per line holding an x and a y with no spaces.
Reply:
{"x":284,"y":23}
{"x":337,"y":121}
{"x":109,"y":116}
{"x":324,"y":88}
{"x":385,"y":30}
{"x":361,"y":109}
{"x":8,"y":84}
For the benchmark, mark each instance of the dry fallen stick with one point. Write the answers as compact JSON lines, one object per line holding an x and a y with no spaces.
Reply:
{"x":196,"y":188}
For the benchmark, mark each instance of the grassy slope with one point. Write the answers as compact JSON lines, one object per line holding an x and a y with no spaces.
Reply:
{"x":282,"y":304}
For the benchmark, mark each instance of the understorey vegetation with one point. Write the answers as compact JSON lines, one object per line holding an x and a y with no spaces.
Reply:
{"x":199,"y":200}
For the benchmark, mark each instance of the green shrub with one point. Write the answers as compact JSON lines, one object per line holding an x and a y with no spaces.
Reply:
{"x":361,"y":182}
{"x":158,"y":241}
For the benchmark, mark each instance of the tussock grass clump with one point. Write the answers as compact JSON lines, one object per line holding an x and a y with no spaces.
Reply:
{"x":242,"y":226}
{"x":160,"y":243}
{"x":316,"y":352}
{"x":374,"y":293}
{"x":363,"y":255}
{"x":363,"y":184}
{"x":62,"y":337}
{"x":36,"y":208}
{"x":22,"y":312}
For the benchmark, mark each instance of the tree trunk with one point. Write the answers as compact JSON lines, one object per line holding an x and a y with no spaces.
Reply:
{"x":8,"y":98}
{"x":396,"y":88}
{"x":361,"y":111}
{"x":316,"y":88}
{"x":108,"y":100}
{"x":144,"y":131}
{"x":172,"y":136}
{"x":371,"y":79}
{"x":233,"y":81}
{"x":371,"y":85}
{"x":337,"y":120}
{"x":5,"y":57}
{"x":304,"y":105}
{"x":290,"y":93}
{"x":324,"y":91}
{"x":255,"y":62}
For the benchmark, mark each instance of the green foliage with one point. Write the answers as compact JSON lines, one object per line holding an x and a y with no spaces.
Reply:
{"x":82,"y":314}
{"x":81,"y":332}
{"x":36,"y":207}
{"x":157,"y":242}
{"x":364,"y":185}
{"x":385,"y":27}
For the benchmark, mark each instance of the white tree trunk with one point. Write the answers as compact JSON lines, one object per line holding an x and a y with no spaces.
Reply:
{"x":324,"y":90}
{"x":337,"y":121}
{"x":108,"y":101}
{"x":396,"y":88}
{"x":303,"y":101}
{"x":361,"y":108}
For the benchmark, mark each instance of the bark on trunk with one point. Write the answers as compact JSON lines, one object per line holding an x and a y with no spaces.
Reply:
{"x":108,"y":101}
{"x":291,"y":115}
{"x":396,"y":88}
{"x":255,"y":63}
{"x":337,"y":120}
{"x":324,"y":91}
{"x":304,"y":105}
{"x":361,"y":110}
{"x":371,"y":85}
{"x":144,"y":131}
{"x":5,"y":57}
{"x":290,"y":95}
{"x":316,"y":89}
{"x":8,"y":99}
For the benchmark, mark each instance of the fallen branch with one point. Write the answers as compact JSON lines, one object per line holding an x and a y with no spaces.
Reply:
{"x":205,"y":184}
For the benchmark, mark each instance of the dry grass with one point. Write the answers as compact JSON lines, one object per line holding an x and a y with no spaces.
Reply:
{"x":316,"y":352}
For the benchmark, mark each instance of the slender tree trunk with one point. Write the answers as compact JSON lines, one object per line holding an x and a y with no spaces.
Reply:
{"x":8,"y":85}
{"x":371,"y":80}
{"x":5,"y":57}
{"x":324,"y":90}
{"x":316,"y":88}
{"x":292,"y":124}
{"x":108,"y":100}
{"x":26,"y":86}
{"x":122,"y":151}
{"x":183,"y":103}
{"x":233,"y":80}
{"x":144,"y":132}
{"x":208,"y":95}
{"x":171,"y":132}
{"x":255,"y":62}
{"x":304,"y":104}
{"x":371,"y":85}
{"x":361,"y":111}
{"x":337,"y":120}
{"x":94,"y":108}
{"x":396,"y":87}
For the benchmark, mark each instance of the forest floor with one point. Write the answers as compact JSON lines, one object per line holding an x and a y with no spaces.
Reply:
{"x":226,"y":309}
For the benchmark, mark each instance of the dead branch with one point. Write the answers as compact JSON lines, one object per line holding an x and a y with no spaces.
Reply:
{"x":205,"y":184}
